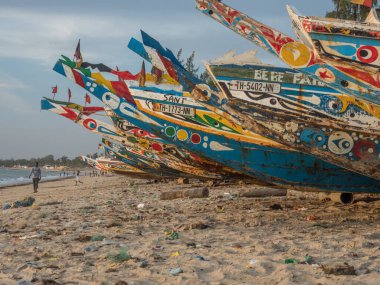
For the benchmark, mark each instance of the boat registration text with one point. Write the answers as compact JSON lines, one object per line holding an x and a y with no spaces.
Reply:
{"x":255,"y":86}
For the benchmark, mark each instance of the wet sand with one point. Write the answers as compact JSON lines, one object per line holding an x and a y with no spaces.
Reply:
{"x":100,"y":233}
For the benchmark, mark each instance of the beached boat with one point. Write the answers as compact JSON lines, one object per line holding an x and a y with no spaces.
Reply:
{"x":91,"y":162}
{"x":116,"y":166}
{"x":355,"y":81}
{"x":131,"y":145}
{"x":288,"y":91}
{"x":175,"y":153}
{"x":147,"y":140}
{"x":82,"y":119}
{"x":357,"y":43}
{"x":148,"y":165}
{"x":350,"y":147}
{"x":237,"y":148}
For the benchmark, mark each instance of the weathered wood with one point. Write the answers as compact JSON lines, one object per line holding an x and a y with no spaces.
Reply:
{"x":191,"y":194}
{"x":259,"y":193}
{"x":342,"y":198}
{"x":171,"y":195}
{"x":183,"y":180}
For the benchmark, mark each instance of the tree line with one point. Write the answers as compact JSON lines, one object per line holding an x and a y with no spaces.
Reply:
{"x":46,"y":160}
{"x":346,"y":10}
{"x":190,"y":66}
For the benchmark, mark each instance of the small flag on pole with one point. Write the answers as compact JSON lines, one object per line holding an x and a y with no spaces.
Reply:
{"x":367,"y":3}
{"x":78,"y":56}
{"x":87,"y":99}
{"x":54,"y":90}
{"x":69,"y":93}
{"x":122,"y":89}
{"x":157,"y":73}
{"x":142,"y":76}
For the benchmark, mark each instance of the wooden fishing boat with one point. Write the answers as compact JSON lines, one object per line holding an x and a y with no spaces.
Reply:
{"x":175,"y":153}
{"x":290,"y":92}
{"x":83,"y":120}
{"x":353,"y":80}
{"x":117,"y":167}
{"x":356,"y":43}
{"x":145,"y":139}
{"x":91,"y":162}
{"x":233,"y":146}
{"x":150,"y":166}
{"x":133,"y":146}
{"x":347,"y":146}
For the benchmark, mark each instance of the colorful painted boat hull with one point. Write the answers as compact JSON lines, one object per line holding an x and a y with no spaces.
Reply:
{"x":335,"y":39}
{"x":297,"y":55}
{"x":116,"y":167}
{"x":342,"y":145}
{"x":130,"y":142}
{"x":285,"y":90}
{"x":198,"y":166}
{"x":267,"y":163}
{"x":189,"y":161}
{"x":149,"y":166}
{"x":79,"y":118}
{"x":145,"y":100}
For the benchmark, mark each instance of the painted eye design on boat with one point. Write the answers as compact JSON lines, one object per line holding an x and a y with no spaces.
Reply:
{"x":367,"y":54}
{"x":216,"y":124}
{"x":340,"y":143}
{"x":90,"y":124}
{"x":111,"y":100}
{"x":333,"y":105}
{"x":273,"y":101}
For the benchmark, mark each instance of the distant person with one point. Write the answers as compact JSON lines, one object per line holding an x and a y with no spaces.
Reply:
{"x":36,"y":176}
{"x":77,"y":178}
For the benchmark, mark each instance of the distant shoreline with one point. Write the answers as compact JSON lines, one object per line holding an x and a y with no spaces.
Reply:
{"x":49,"y":170}
{"x":31,"y":182}
{"x":54,"y":177}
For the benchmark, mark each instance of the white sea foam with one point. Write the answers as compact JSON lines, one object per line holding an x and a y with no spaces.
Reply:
{"x":10,"y":177}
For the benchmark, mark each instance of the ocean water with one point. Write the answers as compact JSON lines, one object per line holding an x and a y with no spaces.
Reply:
{"x":10,"y":177}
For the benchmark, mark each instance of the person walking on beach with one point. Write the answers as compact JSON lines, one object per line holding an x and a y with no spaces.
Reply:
{"x":36,"y":176}
{"x":77,"y":178}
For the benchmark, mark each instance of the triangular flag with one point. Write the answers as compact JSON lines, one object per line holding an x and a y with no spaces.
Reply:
{"x":157,"y":73}
{"x":122,"y":89}
{"x":54,"y":90}
{"x":78,"y":56}
{"x":87,"y":99}
{"x":142,"y":77}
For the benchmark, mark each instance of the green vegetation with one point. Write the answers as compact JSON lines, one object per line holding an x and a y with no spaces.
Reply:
{"x":346,"y":10}
{"x":190,"y":67}
{"x":46,"y":160}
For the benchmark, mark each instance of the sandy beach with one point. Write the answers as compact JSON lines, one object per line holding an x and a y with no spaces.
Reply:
{"x":116,"y":230}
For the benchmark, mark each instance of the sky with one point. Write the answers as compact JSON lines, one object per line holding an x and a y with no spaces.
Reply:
{"x":33,"y":35}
